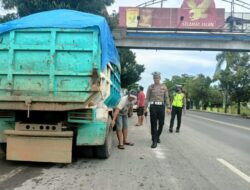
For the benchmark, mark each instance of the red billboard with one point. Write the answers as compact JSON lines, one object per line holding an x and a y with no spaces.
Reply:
{"x":193,"y":14}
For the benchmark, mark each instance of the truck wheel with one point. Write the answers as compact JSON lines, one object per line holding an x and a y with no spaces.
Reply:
{"x":85,"y":151}
{"x":104,"y":151}
{"x":3,"y":147}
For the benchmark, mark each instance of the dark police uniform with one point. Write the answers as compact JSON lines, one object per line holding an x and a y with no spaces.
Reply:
{"x":157,"y":98}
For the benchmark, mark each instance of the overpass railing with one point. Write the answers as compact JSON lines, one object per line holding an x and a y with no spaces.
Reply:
{"x":238,"y":22}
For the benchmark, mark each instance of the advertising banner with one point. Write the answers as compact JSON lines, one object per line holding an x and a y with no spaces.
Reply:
{"x":193,"y":14}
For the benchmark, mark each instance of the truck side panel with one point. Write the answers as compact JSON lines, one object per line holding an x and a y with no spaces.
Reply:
{"x":48,"y":64}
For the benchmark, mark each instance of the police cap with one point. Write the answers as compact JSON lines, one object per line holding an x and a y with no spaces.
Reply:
{"x":178,"y":87}
{"x":156,"y":74}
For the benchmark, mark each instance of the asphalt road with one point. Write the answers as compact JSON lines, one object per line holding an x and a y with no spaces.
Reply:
{"x":211,"y":152}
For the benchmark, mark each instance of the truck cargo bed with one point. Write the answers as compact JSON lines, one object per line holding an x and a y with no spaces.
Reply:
{"x":42,"y":66}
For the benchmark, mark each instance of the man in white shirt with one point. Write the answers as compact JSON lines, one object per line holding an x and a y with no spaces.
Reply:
{"x":120,"y":118}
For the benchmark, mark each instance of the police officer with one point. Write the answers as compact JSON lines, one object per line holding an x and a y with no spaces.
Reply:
{"x":157,"y":98}
{"x":178,"y":103}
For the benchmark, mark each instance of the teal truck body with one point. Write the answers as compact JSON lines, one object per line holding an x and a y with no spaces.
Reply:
{"x":54,"y":93}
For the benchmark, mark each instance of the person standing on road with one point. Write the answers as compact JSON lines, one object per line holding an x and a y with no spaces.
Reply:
{"x":178,"y":103}
{"x":140,"y":106}
{"x":120,"y":118}
{"x":157,"y":97}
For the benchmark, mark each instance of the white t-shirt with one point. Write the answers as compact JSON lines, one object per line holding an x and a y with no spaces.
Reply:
{"x":124,"y":104}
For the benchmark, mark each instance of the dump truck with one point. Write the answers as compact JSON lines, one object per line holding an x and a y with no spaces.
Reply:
{"x":59,"y":79}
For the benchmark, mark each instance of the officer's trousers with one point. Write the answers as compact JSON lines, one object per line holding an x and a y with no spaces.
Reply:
{"x":157,"y":116}
{"x":176,"y":111}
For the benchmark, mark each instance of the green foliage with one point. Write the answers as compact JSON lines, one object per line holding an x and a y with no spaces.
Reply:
{"x":197,"y":89}
{"x":234,"y":83}
{"x":27,"y":7}
{"x":184,"y":80}
{"x":215,"y":97}
{"x":113,"y":20}
{"x":232,"y":109}
{"x":235,"y":78}
{"x":241,"y":78}
{"x":134,"y":87}
{"x":170,"y":85}
{"x":8,"y":17}
{"x":130,"y":70}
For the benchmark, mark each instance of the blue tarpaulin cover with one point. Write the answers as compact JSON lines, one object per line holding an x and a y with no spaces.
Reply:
{"x":64,"y":18}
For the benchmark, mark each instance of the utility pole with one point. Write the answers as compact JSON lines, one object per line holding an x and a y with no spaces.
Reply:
{"x":232,"y":8}
{"x":232,"y":16}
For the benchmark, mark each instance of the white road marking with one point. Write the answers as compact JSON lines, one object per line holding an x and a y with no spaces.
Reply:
{"x":221,"y":122}
{"x":159,"y":153}
{"x":234,"y":169}
{"x":11,"y":174}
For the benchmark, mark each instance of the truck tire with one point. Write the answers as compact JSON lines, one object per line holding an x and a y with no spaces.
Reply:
{"x":104,"y":151}
{"x":85,"y":152}
{"x":3,"y":147}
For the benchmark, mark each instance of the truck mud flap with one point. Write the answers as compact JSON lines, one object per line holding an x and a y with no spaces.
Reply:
{"x":39,"y":146}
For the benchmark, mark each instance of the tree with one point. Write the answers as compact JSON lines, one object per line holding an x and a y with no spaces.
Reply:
{"x":235,"y":78}
{"x":8,"y":17}
{"x":241,"y":83}
{"x":185,"y":80}
{"x":225,"y":77}
{"x":169,"y":84}
{"x":215,"y":96}
{"x":178,"y":80}
{"x":199,"y":91}
{"x":130,"y":70}
{"x":27,"y":7}
{"x":113,"y":20}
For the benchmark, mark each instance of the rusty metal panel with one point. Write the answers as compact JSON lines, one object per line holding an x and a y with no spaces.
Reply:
{"x":46,"y":105}
{"x":92,"y":133}
{"x":39,"y":148}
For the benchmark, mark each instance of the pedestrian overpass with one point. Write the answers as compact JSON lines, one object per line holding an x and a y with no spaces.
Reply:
{"x":143,"y":27}
{"x":180,"y":40}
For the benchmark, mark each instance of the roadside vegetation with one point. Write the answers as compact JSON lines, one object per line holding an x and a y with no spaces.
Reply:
{"x":227,"y":92}
{"x":245,"y":111}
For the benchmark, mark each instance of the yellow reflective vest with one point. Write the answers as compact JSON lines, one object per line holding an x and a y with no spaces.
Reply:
{"x":178,"y":100}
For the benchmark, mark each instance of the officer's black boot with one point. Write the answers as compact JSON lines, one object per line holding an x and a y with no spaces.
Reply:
{"x":154,"y":145}
{"x":177,"y":130}
{"x":171,"y":130}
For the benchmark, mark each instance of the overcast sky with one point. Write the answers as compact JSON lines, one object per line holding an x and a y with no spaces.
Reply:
{"x":171,"y":63}
{"x":173,"y":4}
